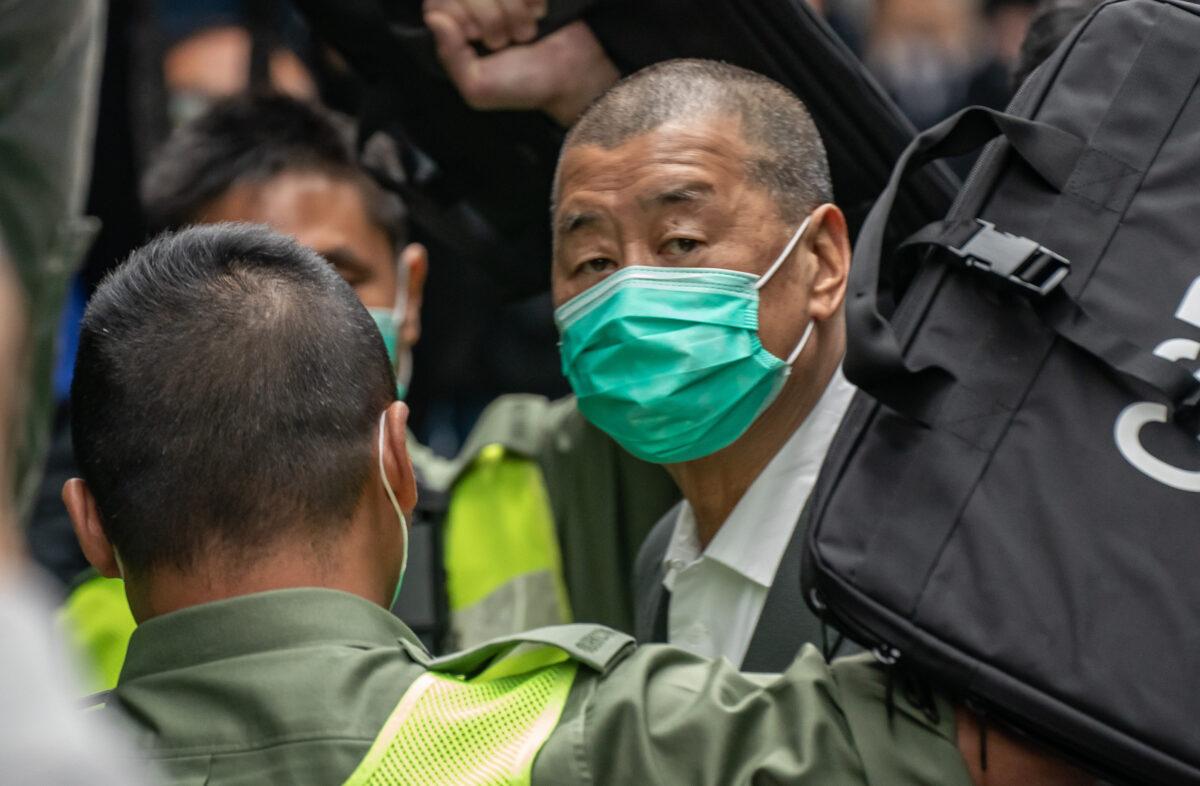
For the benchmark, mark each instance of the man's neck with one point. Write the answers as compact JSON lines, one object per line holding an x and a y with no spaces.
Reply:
{"x":713,"y":485}
{"x":168,"y":590}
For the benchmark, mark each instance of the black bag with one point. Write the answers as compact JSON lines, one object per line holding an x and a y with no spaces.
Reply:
{"x":1013,"y":509}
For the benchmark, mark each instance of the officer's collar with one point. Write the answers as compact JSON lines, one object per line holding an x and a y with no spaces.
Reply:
{"x":260,"y":622}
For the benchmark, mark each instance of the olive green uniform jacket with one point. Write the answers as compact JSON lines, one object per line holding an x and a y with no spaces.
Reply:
{"x":293,"y":687}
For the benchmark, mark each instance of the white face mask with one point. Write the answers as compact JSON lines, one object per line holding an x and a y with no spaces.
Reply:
{"x":387,"y":486}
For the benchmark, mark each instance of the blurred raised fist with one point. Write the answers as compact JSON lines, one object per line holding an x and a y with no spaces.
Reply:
{"x":497,"y":23}
{"x":559,"y":74}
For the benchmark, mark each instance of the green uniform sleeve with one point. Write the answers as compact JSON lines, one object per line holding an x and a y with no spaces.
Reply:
{"x":663,"y":716}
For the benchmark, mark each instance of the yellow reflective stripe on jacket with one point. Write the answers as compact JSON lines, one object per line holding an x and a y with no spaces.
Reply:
{"x":450,"y":732}
{"x":501,"y":553}
{"x":97,"y":620}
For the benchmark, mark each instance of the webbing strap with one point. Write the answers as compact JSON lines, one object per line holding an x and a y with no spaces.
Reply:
{"x":447,"y":732}
{"x":874,"y":360}
{"x":1173,"y":380}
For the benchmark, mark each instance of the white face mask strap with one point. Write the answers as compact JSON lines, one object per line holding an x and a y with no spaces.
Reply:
{"x":387,"y":486}
{"x":787,"y":252}
{"x":803,"y":343}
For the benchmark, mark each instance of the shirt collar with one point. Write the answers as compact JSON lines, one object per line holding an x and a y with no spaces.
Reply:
{"x":257,"y":623}
{"x":754,"y":537}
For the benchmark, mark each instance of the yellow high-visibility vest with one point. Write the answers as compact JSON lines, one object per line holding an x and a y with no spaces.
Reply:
{"x":500,"y":551}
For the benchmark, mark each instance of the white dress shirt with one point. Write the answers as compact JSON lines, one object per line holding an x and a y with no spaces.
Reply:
{"x":718,"y":595}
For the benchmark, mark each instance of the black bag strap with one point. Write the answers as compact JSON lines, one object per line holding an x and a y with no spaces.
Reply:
{"x":1039,"y":271}
{"x":874,"y":360}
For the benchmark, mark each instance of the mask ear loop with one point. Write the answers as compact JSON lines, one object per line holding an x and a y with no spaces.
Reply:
{"x":787,"y":252}
{"x":387,"y":486}
{"x":765,"y":277}
{"x":803,"y":343}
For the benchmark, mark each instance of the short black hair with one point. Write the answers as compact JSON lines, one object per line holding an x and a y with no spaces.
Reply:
{"x":252,"y":138}
{"x":789,"y":157}
{"x":226,"y":393}
{"x":1051,"y":23}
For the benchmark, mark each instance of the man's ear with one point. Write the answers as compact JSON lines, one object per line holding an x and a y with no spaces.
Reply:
{"x":396,"y":461}
{"x":415,"y":260}
{"x":85,"y":518}
{"x":831,"y":248}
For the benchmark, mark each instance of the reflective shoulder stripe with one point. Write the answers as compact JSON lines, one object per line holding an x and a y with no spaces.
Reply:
{"x":528,"y":600}
{"x":484,"y":732}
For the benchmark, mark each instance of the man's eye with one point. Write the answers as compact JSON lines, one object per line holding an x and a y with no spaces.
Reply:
{"x":598,"y":265}
{"x":680,"y":245}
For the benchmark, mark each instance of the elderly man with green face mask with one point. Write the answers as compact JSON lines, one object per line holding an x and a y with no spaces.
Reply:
{"x":699,"y":274}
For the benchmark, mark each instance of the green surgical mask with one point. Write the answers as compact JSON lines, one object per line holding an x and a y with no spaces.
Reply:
{"x":390,"y":321}
{"x":668,"y":361}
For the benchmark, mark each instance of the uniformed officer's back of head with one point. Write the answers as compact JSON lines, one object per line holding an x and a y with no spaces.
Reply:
{"x":226,"y":410}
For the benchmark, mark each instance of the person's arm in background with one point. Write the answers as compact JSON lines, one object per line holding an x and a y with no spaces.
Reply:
{"x":50,"y":55}
{"x":560,"y":74}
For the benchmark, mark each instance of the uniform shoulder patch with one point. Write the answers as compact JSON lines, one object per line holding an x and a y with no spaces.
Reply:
{"x":595,"y":646}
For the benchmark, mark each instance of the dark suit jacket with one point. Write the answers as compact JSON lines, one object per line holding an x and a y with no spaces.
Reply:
{"x":786,"y":624}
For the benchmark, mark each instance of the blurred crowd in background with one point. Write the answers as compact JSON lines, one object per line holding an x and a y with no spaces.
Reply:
{"x":167,"y":60}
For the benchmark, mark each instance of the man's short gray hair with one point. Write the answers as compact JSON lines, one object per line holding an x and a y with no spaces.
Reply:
{"x":788,"y":154}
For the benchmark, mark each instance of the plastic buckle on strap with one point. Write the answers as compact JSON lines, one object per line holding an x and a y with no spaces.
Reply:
{"x":1022,"y":262}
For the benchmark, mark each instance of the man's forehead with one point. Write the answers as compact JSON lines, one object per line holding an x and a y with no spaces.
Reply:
{"x":689,"y":157}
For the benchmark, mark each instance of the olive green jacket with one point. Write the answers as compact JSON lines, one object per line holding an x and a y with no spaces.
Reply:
{"x":50,"y":52}
{"x":293,"y":687}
